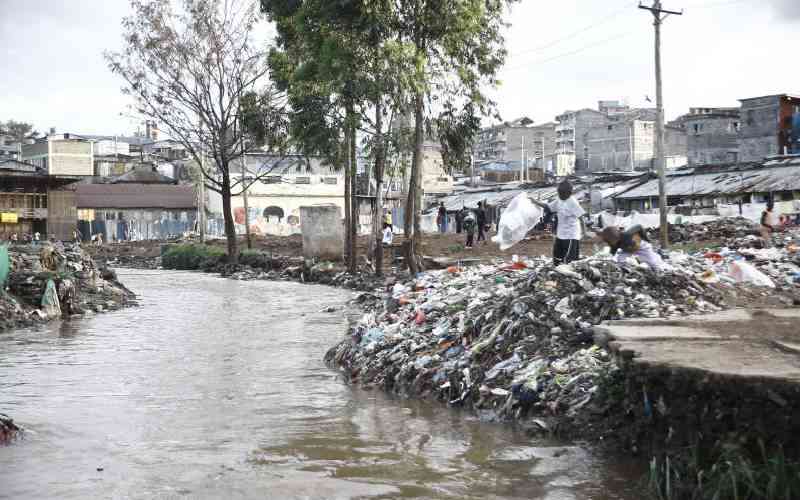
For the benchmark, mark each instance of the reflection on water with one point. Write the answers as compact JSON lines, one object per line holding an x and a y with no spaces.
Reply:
{"x":215,"y":389}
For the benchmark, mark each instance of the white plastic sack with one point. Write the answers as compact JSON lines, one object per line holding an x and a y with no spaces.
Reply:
{"x":743,"y":272}
{"x":518,"y":218}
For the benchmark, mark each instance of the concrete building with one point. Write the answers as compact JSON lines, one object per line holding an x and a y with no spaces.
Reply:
{"x":288,"y":183}
{"x":769,"y":126}
{"x":612,"y":108}
{"x":627,"y":144}
{"x":61,"y":155}
{"x":571,"y":129}
{"x":712,"y":135}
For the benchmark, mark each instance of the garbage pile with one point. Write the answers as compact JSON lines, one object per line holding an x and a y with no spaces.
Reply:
{"x":723,"y":229}
{"x":748,"y":260}
{"x":510,"y":341}
{"x":56,"y":280}
{"x":8,"y":429}
{"x":322,"y":273}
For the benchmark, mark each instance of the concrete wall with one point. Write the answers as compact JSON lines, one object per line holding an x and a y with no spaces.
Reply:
{"x":323,"y":232}
{"x":61,"y":156}
{"x":712,"y":139}
{"x":758,"y":130}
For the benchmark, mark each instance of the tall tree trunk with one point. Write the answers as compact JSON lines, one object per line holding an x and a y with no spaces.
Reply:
{"x":227,"y":213}
{"x":348,"y":250}
{"x":414,"y":189}
{"x":377,"y":210}
{"x":354,"y":192}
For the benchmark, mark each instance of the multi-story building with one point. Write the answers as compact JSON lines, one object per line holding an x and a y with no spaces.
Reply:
{"x":612,"y":108}
{"x":769,"y":125}
{"x":629,"y":145}
{"x":61,"y":154}
{"x":712,"y":135}
{"x":519,"y":144}
{"x":571,"y":129}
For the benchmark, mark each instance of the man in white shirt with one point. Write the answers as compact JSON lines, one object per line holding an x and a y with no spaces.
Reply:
{"x":569,"y":228}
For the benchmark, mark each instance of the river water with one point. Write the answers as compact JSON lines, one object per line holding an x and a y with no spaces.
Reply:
{"x":215,"y":388}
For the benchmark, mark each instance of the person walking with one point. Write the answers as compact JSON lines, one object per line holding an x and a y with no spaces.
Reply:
{"x":569,"y":227}
{"x":470,"y":221}
{"x":441,"y":218}
{"x":768,"y":222}
{"x":480,"y":218}
{"x":460,"y":221}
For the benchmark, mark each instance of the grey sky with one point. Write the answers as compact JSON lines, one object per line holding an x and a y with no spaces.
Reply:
{"x":565,"y":54}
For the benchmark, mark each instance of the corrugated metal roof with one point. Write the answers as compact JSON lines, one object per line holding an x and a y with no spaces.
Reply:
{"x":783,"y":176}
{"x":161,"y":196}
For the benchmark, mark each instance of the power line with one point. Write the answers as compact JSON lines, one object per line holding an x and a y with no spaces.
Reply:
{"x":572,"y":35}
{"x":571,"y":53}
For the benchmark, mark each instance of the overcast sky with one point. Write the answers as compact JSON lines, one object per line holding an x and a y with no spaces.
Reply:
{"x":564,"y":54}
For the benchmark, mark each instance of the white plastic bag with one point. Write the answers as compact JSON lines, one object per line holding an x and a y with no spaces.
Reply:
{"x":518,"y":218}
{"x":743,"y":272}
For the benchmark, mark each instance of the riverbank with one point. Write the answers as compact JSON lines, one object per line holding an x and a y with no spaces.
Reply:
{"x":520,"y":342}
{"x":48,"y":282}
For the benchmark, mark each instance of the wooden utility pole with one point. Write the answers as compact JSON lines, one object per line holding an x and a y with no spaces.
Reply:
{"x":659,"y":15}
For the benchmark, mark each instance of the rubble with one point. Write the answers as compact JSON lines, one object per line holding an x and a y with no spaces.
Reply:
{"x":49,"y":281}
{"x":722,"y":229}
{"x":8,"y":429}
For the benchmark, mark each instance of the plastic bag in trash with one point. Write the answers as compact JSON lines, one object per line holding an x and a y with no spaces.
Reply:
{"x":518,"y":218}
{"x":743,"y":272}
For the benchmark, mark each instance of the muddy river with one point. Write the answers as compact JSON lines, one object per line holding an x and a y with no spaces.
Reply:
{"x":216,"y":389}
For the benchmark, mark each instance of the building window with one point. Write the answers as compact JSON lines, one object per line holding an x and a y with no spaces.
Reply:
{"x":271,"y":179}
{"x":330,"y":180}
{"x":696,"y":128}
{"x":302,"y":180}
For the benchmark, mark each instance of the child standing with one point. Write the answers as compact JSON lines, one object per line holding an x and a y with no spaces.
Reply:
{"x":569,"y":228}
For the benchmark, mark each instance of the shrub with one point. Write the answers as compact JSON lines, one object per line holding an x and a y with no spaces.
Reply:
{"x":255,"y":259}
{"x":191,"y":257}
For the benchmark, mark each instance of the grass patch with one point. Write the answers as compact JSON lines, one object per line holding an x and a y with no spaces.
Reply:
{"x":728,"y":472}
{"x":191,"y":257}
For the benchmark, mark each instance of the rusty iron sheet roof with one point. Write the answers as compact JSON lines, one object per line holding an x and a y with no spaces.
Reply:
{"x":777,"y":175}
{"x":140,"y":196}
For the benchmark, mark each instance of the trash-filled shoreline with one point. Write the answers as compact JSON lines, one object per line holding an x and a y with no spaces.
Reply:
{"x":53,"y":281}
{"x":46,"y":282}
{"x":514,"y":341}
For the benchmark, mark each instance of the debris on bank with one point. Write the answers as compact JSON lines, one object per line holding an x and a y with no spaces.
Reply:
{"x":50,"y":281}
{"x":510,"y":341}
{"x":8,"y":429}
{"x":515,"y":341}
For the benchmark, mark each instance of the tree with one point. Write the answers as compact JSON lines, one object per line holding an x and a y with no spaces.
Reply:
{"x":17,"y":130}
{"x":191,"y":69}
{"x":458,"y":47}
{"x":334,"y":63}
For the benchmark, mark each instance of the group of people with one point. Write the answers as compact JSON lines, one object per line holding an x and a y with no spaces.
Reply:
{"x":469,"y":221}
{"x":568,"y":219}
{"x":34,"y":238}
